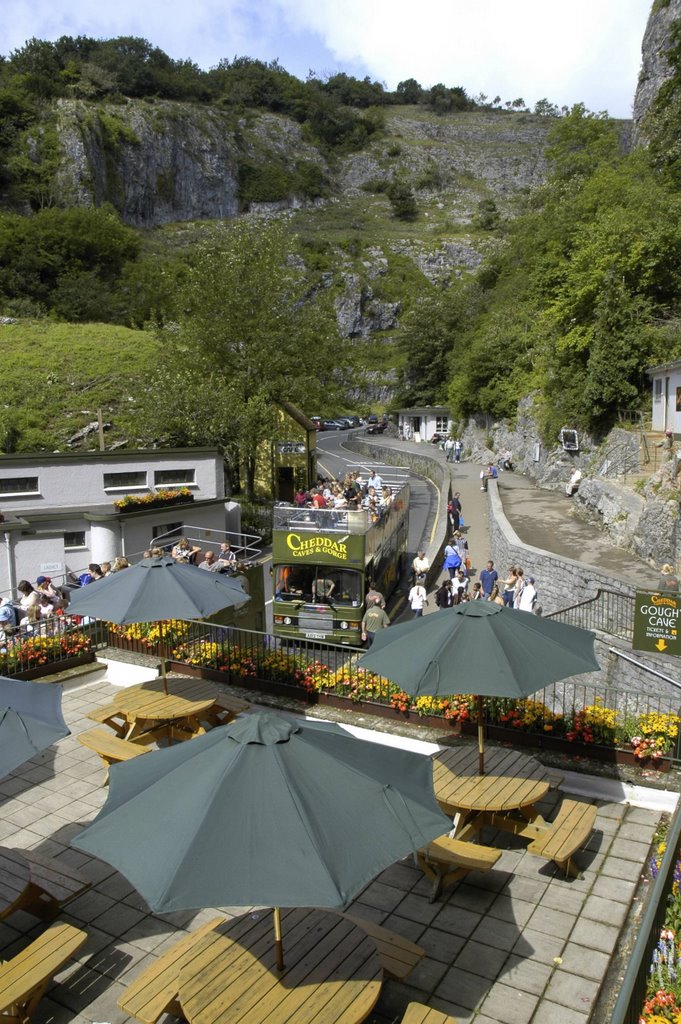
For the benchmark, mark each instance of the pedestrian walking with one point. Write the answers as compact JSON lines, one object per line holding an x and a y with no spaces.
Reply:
{"x":375,"y":618}
{"x":444,"y":597}
{"x":418,"y":597}
{"x":454,"y":511}
{"x":452,"y":560}
{"x":457,"y":450}
{"x":449,"y":449}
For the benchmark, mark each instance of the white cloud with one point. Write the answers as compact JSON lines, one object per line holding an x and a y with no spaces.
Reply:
{"x":586,"y":50}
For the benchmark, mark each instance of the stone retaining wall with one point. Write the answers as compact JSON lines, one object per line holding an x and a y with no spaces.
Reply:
{"x":562,"y":582}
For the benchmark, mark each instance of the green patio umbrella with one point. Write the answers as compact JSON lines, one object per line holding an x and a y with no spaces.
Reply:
{"x":264,"y":811}
{"x":480,"y":647}
{"x":30,"y":720}
{"x":155,"y":590}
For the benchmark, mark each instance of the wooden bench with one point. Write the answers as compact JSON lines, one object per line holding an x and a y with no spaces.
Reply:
{"x":24,"y":978}
{"x":52,"y":885}
{"x":417,"y":1013}
{"x":445,"y":861}
{"x":398,"y":955}
{"x":110,"y":748}
{"x":109,"y":714}
{"x":154,"y":991}
{"x":568,"y":832}
{"x":226,"y":708}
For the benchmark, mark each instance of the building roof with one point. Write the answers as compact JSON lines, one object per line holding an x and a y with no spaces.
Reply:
{"x":674,"y":364}
{"x":425,"y":410}
{"x":121,"y":454}
{"x":295,"y":414}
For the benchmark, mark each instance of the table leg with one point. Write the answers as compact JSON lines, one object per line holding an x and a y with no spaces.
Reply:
{"x":529,"y":823}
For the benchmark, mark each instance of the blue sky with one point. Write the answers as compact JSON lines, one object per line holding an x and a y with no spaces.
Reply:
{"x":586,"y":51}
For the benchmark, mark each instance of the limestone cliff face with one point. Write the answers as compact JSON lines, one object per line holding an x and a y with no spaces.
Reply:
{"x":164,"y":161}
{"x":654,"y":65}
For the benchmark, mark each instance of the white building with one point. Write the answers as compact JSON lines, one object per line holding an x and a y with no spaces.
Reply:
{"x":59,"y":511}
{"x":666,"y":380}
{"x":420,"y":424}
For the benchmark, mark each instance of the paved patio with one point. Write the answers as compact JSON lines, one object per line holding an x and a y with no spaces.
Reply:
{"x":518,"y":945}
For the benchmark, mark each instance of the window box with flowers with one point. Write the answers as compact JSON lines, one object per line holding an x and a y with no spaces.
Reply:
{"x":154,"y":499}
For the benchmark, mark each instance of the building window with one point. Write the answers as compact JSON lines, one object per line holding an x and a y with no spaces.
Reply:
{"x":16,"y":486}
{"x":167,"y":531}
{"x":174,"y":477}
{"x":74,"y":539}
{"x":657,"y":389}
{"x":442,"y":424}
{"x":130,"y":481}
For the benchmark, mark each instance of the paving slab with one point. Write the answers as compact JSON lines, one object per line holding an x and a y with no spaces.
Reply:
{"x":519,"y":945}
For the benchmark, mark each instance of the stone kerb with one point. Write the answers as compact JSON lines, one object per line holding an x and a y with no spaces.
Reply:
{"x":422,"y":464}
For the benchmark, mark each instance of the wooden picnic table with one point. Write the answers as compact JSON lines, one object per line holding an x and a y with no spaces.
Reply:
{"x":15,"y":877}
{"x":332,"y":972}
{"x":505,"y":796}
{"x":177,"y":712}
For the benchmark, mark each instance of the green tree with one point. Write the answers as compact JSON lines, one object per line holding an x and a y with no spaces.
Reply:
{"x":248,"y":320}
{"x":402,"y":200}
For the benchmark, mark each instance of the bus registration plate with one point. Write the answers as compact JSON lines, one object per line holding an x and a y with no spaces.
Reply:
{"x":315,"y":636}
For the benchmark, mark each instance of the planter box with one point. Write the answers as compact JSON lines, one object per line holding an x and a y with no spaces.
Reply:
{"x":143,"y":506}
{"x":593,"y":751}
{"x":500,"y":733}
{"x":55,"y":666}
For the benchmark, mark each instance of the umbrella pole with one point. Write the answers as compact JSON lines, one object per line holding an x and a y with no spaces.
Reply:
{"x":164,"y":670}
{"x":278,"y":944}
{"x":481,"y":735}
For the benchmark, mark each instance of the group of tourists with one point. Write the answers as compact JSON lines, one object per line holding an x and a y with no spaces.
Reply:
{"x":352,"y":492}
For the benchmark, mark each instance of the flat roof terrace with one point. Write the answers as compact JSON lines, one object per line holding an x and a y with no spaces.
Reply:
{"x":519,"y":944}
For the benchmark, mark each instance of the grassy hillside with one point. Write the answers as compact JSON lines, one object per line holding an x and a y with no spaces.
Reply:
{"x":62,"y":374}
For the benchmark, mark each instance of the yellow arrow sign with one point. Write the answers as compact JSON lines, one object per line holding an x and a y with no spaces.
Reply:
{"x":661,"y":645}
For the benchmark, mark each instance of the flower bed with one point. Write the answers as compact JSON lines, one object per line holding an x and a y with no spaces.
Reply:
{"x":595,"y":730}
{"x":663,"y":993}
{"x":41,"y":653}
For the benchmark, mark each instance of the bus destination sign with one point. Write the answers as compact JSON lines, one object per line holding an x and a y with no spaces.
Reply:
{"x":656,"y":623}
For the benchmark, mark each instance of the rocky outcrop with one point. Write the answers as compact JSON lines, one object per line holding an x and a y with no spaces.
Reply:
{"x":359,"y":314}
{"x":161,"y":162}
{"x":654,"y":65}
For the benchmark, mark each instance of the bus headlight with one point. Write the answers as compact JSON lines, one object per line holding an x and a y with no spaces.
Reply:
{"x":344,"y":625}
{"x":287,"y":620}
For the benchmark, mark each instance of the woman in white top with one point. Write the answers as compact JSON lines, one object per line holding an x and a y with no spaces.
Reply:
{"x":29,"y":602}
{"x":418,"y":598}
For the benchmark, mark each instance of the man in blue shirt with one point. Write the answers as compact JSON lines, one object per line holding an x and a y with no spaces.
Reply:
{"x":488,"y":577}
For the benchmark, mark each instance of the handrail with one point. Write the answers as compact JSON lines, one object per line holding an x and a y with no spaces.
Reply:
{"x":632,"y":987}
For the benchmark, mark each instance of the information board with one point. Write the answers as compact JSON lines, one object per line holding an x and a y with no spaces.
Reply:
{"x":291,"y":448}
{"x":656,"y":623}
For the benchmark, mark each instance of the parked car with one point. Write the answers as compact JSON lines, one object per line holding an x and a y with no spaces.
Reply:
{"x":344,"y":422}
{"x":372,"y":418}
{"x":331,"y":425}
{"x":317,"y":420}
{"x":355,"y":421}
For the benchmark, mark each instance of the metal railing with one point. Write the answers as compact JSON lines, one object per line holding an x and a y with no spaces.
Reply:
{"x":44,"y":645}
{"x":565,"y":711}
{"x":633,"y":986}
{"x":607,"y":612}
